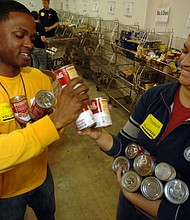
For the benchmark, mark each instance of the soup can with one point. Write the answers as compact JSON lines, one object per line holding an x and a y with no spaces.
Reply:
{"x":121,"y":161}
{"x":152,"y":188}
{"x":143,"y":164}
{"x":176,"y":191}
{"x":164,"y":171}
{"x":101,"y":112}
{"x":132,"y":150}
{"x":131,"y":181}
{"x":65,"y":74}
{"x":85,"y":119}
{"x":44,"y":100}
{"x":19,"y":106}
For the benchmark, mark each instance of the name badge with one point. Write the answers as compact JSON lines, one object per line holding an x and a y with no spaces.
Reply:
{"x":42,"y":14}
{"x":151,"y":126}
{"x":6,"y":112}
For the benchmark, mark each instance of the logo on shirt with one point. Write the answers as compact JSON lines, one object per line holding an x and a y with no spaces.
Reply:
{"x":186,"y":154}
{"x":151,"y":126}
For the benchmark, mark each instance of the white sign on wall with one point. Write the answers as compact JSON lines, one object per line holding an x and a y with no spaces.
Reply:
{"x":95,"y":6}
{"x":162,"y":14}
{"x":188,"y":21}
{"x":31,"y":5}
{"x":128,"y":9}
{"x":111,"y":8}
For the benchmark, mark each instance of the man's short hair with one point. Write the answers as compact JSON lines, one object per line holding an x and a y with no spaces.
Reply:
{"x":7,"y":6}
{"x":35,"y":15}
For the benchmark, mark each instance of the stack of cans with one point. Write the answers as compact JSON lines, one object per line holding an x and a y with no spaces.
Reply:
{"x":141,"y":172}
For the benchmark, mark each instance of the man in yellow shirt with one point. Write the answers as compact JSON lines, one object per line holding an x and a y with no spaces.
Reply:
{"x":25,"y":178}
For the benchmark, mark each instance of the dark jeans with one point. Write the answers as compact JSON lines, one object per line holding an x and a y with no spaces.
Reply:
{"x":127,"y":211}
{"x":41,"y":200}
{"x":39,"y":58}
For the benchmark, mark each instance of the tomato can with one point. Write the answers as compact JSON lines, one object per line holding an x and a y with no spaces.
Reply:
{"x":143,"y":164}
{"x":85,"y":119}
{"x":132,"y":150}
{"x":101,"y":112}
{"x":121,"y":161}
{"x":19,"y":106}
{"x":164,"y":171}
{"x":176,"y":191}
{"x":65,"y":74}
{"x":152,"y":188}
{"x":44,"y":100}
{"x":131,"y":181}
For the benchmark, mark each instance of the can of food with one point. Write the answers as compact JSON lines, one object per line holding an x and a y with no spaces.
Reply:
{"x":44,"y":100}
{"x":121,"y":161}
{"x":101,"y":112}
{"x":143,"y":164}
{"x":85,"y":119}
{"x":19,"y":106}
{"x":65,"y":74}
{"x":164,"y":171}
{"x":152,"y":188}
{"x":176,"y":191}
{"x":131,"y":181}
{"x":132,"y":150}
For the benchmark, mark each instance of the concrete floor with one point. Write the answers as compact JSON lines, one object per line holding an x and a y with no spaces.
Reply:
{"x":85,"y":184}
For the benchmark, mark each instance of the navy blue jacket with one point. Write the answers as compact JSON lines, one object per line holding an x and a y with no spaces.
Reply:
{"x":158,"y":102}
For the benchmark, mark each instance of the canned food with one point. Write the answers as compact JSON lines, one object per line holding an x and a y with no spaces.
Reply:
{"x":131,"y":181}
{"x":121,"y":161}
{"x":65,"y":74}
{"x":19,"y":106}
{"x":44,"y":100}
{"x":85,"y":119}
{"x":132,"y":150}
{"x":176,"y":191}
{"x":143,"y":164}
{"x":152,"y":188}
{"x":164,"y":171}
{"x":101,"y":112}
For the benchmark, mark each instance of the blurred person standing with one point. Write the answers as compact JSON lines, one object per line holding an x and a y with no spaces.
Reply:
{"x":49,"y":19}
{"x":39,"y":56}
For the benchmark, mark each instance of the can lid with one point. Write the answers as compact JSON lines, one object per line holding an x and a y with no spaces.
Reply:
{"x":45,"y":98}
{"x":17,"y":98}
{"x":176,"y":191}
{"x":131,"y":150}
{"x":152,"y":188}
{"x":121,"y":161}
{"x":131,"y":181}
{"x":143,"y":164}
{"x":163,"y":171}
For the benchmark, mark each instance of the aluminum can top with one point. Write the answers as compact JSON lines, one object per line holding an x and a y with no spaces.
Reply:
{"x":152,"y":188}
{"x":164,"y":171}
{"x":176,"y":191}
{"x":45,"y":99}
{"x":143,"y":164}
{"x":131,"y":181}
{"x":121,"y":161}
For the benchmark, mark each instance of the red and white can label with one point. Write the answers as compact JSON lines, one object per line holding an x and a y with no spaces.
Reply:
{"x":85,"y":119}
{"x":19,"y":106}
{"x":100,"y":110}
{"x":65,"y":74}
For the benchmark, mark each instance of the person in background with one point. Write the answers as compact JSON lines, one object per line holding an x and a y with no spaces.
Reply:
{"x":39,"y":56}
{"x":49,"y":19}
{"x":25,"y":177}
{"x":160,"y":123}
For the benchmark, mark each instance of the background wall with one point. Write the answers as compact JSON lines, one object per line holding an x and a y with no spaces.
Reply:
{"x":143,"y":13}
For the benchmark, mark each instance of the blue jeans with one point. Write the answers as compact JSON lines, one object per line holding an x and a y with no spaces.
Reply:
{"x":39,"y":58}
{"x":41,"y":200}
{"x":127,"y":211}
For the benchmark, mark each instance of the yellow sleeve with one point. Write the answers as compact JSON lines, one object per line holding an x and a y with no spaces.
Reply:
{"x":22,"y":144}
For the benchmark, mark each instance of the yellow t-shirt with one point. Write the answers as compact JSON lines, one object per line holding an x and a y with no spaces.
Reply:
{"x":23,"y":152}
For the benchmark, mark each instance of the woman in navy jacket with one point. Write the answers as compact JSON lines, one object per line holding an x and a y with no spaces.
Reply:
{"x":160,"y":123}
